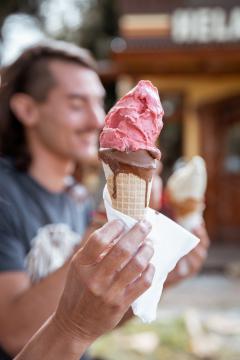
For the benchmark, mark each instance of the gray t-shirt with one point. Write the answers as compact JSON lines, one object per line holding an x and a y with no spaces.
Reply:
{"x":38,"y":229}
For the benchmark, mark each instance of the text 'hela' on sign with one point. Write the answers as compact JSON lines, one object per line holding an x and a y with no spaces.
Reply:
{"x":205,"y":25}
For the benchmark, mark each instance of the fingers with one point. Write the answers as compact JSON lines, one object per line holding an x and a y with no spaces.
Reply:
{"x":183,"y":268}
{"x":140,"y":285}
{"x":188,"y":266}
{"x":117,"y":258}
{"x":201,"y":252}
{"x":99,"y":241}
{"x":197,"y":257}
{"x":136,"y":266}
{"x":125,"y":248}
{"x":202,"y":234}
{"x":173,"y":277}
{"x":191,"y":263}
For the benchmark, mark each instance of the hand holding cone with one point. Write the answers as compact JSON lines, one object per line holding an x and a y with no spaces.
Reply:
{"x":129,"y":154}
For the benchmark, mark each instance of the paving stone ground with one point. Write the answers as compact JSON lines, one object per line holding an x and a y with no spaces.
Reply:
{"x":204,"y":291}
{"x":197,"y":320}
{"x":210,"y":306}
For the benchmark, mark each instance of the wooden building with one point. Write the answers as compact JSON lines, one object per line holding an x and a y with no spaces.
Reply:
{"x":190,"y":50}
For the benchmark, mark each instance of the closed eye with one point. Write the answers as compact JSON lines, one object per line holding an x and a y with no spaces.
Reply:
{"x":77,"y":103}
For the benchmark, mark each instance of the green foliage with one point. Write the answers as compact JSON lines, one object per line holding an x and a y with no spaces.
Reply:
{"x":173,"y":342}
{"x":96,"y":31}
{"x":100,"y":25}
{"x":8,"y":7}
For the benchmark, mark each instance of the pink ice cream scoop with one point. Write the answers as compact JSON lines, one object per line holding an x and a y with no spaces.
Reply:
{"x":135,"y":122}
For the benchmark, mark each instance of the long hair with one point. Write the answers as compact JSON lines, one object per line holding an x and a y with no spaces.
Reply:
{"x":30,"y":74}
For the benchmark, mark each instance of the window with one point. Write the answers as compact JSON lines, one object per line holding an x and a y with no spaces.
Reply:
{"x":232,"y":153}
{"x":170,"y":141}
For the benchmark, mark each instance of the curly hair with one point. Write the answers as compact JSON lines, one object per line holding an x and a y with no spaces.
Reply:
{"x":30,"y":74}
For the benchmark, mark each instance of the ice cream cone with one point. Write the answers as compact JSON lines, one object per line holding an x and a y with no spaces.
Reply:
{"x":131,"y":195}
{"x":184,"y":207}
{"x":185,"y":192}
{"x":128,"y":149}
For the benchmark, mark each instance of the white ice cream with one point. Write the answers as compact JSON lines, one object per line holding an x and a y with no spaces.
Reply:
{"x":189,"y":181}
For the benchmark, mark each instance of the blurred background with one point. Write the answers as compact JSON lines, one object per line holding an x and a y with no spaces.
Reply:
{"x":190,"y":50}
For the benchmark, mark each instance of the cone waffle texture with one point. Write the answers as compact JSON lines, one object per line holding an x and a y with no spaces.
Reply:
{"x":130,"y":194}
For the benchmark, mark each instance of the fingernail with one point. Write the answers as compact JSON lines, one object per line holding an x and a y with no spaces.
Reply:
{"x":145,"y":225}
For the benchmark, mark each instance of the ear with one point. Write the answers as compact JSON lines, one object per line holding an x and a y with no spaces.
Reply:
{"x":25,"y":109}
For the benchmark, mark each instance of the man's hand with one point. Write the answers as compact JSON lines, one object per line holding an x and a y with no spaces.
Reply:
{"x":191,"y":264}
{"x":105,"y":277}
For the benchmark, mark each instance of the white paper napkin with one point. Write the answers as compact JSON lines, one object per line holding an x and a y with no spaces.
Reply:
{"x":170,"y":243}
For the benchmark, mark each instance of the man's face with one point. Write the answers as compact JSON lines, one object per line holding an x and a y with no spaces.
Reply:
{"x":70,"y":118}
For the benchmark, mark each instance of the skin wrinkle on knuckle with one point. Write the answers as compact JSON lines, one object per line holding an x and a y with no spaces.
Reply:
{"x":104,"y":237}
{"x":95,"y":289}
{"x":146,"y":281}
{"x":125,"y":247}
{"x":146,"y":224}
{"x":149,"y":242}
{"x":149,"y":250}
{"x":122,"y":250}
{"x":95,"y":286}
{"x":96,"y":237}
{"x":142,"y":229}
{"x":112,"y":301}
{"x":112,"y":229}
{"x":138,"y":264}
{"x":119,"y":285}
{"x":142,"y":259}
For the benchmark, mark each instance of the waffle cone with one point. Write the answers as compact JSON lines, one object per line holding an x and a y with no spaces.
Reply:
{"x":130,"y":194}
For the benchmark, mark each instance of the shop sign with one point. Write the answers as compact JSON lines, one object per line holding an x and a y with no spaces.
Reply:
{"x":205,"y":25}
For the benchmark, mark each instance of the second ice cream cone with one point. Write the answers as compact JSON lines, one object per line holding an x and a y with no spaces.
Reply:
{"x":185,"y":192}
{"x":184,"y":207}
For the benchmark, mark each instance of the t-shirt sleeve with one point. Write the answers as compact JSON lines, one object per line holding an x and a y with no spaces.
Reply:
{"x":12,"y":252}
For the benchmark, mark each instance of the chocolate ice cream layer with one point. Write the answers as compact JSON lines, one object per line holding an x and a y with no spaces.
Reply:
{"x":139,"y":158}
{"x":140,"y":163}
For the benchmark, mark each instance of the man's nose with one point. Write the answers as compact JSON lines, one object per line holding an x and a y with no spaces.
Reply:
{"x":97,"y":115}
